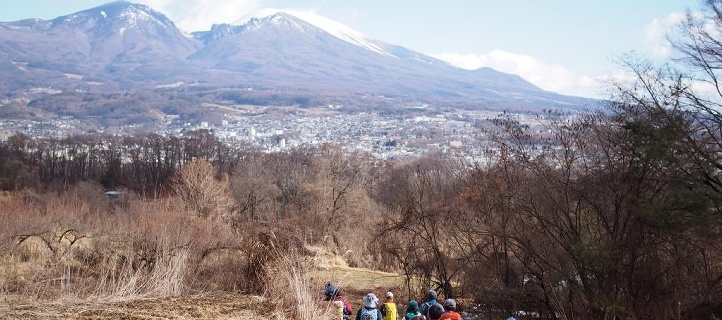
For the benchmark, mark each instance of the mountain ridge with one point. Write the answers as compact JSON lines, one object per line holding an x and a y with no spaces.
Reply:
{"x":279,"y":58}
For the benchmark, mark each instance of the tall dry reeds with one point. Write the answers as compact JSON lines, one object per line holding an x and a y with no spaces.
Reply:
{"x":291,"y":291}
{"x":71,"y":245}
{"x":119,"y":280}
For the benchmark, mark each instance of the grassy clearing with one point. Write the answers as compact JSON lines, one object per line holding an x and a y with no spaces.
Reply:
{"x":333,"y":268}
{"x":355,"y":279}
{"x":356,"y":282}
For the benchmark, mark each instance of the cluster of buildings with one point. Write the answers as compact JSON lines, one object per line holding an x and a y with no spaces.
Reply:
{"x":384,"y":136}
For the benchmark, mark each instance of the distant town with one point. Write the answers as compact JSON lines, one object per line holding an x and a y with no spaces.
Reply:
{"x":385,"y":137}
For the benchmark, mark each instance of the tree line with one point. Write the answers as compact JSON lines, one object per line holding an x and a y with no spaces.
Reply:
{"x":141,"y":163}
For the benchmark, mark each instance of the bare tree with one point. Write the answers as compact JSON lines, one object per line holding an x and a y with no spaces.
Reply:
{"x":202,"y":193}
{"x":337,"y":189}
{"x":253,"y":189}
{"x":422,"y":203}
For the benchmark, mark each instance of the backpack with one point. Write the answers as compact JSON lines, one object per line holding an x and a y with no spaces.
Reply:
{"x":369,"y":314}
{"x":346,"y":313}
{"x":388,"y":310}
{"x":346,"y":305}
{"x":426,"y":306}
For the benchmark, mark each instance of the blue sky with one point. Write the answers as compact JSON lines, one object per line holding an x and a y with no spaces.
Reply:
{"x":567,"y":46}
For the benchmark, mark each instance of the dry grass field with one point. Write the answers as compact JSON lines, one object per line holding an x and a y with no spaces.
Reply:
{"x":303,"y":288}
{"x":218,"y":305}
{"x":214,"y":305}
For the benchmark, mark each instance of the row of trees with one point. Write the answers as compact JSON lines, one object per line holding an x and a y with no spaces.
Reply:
{"x":323,"y":185}
{"x":143,"y":163}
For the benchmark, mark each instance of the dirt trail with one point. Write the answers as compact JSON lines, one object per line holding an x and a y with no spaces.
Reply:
{"x":221,"y":305}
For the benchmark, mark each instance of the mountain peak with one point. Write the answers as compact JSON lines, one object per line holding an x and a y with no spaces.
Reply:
{"x":129,"y":15}
{"x":331,"y":27}
{"x":279,"y":19}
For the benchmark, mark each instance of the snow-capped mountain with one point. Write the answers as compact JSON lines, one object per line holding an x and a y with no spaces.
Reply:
{"x":332,"y":27}
{"x":329,"y":26}
{"x":130,"y":40}
{"x":117,"y":17}
{"x":299,"y":56}
{"x":283,"y":49}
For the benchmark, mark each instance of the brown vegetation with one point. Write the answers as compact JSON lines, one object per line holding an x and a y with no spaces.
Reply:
{"x":81,"y":244}
{"x":608,"y":216}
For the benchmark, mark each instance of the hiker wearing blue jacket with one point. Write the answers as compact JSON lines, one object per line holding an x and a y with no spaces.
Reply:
{"x":430,"y":301}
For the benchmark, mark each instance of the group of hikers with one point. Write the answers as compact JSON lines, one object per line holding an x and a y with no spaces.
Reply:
{"x":430,"y":309}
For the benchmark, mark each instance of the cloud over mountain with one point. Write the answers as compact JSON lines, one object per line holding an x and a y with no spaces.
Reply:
{"x":198,"y":15}
{"x":548,"y":77}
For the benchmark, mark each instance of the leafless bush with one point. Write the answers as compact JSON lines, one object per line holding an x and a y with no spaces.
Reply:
{"x":201,"y":192}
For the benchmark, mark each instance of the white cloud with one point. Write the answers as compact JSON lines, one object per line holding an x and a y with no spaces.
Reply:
{"x":199,"y":15}
{"x":548,"y":77}
{"x":656,"y":32}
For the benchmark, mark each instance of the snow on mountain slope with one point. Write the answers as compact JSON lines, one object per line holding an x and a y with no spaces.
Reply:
{"x":120,"y":14}
{"x":298,"y":54}
{"x":332,"y":27}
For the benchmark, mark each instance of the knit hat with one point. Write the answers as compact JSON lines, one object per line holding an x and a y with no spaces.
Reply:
{"x":370,"y":300}
{"x":431,"y":294}
{"x":435,"y":312}
{"x":329,"y":289}
{"x":389,"y":295}
{"x":413,"y":306}
{"x":450,"y":304}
